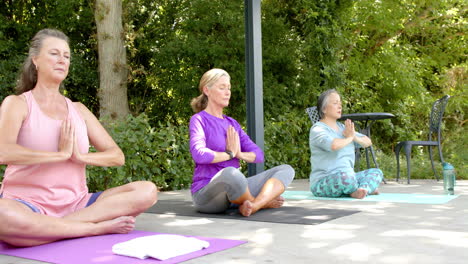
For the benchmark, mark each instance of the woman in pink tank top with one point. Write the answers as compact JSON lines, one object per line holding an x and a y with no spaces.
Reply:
{"x":44,"y":140}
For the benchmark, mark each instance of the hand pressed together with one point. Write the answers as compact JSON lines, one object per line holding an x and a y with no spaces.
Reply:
{"x":233,"y":141}
{"x":68,"y":142}
{"x":66,"y":138}
{"x":349,"y":129}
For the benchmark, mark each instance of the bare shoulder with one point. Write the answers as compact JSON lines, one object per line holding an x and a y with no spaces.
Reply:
{"x":15,"y":103}
{"x":14,"y":99}
{"x":84,"y":111}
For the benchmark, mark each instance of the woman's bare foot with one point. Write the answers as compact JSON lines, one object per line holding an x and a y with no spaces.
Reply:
{"x":375,"y":192}
{"x":119,"y":225}
{"x":359,"y":193}
{"x":246,"y":208}
{"x":275,"y":203}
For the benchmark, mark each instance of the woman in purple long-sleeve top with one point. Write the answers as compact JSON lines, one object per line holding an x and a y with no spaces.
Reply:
{"x":217,"y":144}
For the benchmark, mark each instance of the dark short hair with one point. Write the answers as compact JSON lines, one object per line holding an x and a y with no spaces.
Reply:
{"x":322,"y":101}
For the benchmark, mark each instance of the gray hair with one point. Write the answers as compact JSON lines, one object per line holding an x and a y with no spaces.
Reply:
{"x":322,"y":101}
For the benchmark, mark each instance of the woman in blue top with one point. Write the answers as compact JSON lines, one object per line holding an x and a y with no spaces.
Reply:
{"x":217,"y":144}
{"x":332,"y":147}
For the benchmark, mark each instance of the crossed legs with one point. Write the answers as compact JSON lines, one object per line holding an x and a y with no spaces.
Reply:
{"x":357,"y":185}
{"x":252,"y":194}
{"x":269,"y":197}
{"x":113,"y":212}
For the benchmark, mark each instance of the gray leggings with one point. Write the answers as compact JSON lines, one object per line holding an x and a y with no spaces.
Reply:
{"x":229,"y":184}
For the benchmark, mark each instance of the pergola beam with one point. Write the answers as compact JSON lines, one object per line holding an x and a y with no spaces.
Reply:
{"x":254,"y":77}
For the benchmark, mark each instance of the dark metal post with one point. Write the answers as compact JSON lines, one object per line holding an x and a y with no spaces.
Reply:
{"x":254,"y":77}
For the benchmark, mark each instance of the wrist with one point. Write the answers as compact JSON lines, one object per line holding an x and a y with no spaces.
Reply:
{"x":64,"y":155}
{"x":231,"y":155}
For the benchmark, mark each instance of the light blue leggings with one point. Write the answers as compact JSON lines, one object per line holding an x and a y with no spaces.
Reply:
{"x":343,"y":183}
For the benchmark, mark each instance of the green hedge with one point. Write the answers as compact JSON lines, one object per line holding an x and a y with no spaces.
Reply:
{"x":158,"y":154}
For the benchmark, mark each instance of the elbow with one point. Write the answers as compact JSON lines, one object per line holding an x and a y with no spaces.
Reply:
{"x":3,"y":156}
{"x":119,"y":159}
{"x":202,"y":160}
{"x":259,"y":159}
{"x":203,"y":157}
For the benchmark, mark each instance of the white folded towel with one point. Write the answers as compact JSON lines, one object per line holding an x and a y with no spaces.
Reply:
{"x":160,"y":247}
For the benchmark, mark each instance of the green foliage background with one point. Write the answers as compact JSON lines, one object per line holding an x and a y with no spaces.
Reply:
{"x":394,"y":56}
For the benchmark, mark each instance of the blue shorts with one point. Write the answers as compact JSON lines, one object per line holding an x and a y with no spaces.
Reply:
{"x":91,"y":200}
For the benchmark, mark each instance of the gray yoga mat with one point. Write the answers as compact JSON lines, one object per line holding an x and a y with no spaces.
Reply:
{"x":284,"y":214}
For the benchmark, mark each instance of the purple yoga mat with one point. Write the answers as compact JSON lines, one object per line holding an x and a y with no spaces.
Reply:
{"x":98,"y":250}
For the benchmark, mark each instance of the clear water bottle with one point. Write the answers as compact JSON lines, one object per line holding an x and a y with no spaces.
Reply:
{"x":449,"y":178}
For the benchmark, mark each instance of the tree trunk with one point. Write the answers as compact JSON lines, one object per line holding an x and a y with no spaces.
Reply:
{"x":112,"y":59}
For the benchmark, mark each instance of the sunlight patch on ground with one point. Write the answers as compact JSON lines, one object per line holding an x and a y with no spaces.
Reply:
{"x":317,"y":217}
{"x":428,"y":224}
{"x":433,"y":210}
{"x":317,"y":245}
{"x":238,"y":261}
{"x":437,"y":206}
{"x":180,"y":222}
{"x":262,"y":236}
{"x":166,"y":215}
{"x":398,"y":259}
{"x":331,"y":232}
{"x":446,"y":238}
{"x":262,"y":239}
{"x":357,"y":251}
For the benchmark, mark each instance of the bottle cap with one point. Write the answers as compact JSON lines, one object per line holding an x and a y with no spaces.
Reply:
{"x":447,"y":166}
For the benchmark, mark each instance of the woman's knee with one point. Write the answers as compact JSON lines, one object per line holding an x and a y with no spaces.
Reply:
{"x":234,"y":182}
{"x":146,"y":193}
{"x":346,"y":179}
{"x":231,"y":175}
{"x":377,"y":173}
{"x":13,"y":219}
{"x":288,"y":173}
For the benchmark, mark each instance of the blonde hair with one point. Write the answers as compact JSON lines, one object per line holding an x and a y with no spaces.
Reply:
{"x":200,"y":102}
{"x":28,"y":75}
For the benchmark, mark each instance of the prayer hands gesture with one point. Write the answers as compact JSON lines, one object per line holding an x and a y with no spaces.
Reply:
{"x":68,"y":142}
{"x":66,"y":138}
{"x":232,"y":141}
{"x":349,"y":129}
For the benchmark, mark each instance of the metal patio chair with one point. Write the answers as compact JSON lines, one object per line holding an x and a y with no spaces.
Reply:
{"x":435,"y":122}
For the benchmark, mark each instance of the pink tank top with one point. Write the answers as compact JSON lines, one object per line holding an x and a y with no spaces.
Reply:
{"x":56,"y":189}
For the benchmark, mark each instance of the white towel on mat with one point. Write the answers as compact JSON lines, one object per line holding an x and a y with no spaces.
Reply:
{"x":160,"y":247}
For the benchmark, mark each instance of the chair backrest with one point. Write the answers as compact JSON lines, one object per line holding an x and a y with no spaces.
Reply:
{"x":437,"y":112}
{"x":313,"y":114}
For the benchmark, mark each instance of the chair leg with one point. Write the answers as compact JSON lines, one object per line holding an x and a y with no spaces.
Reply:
{"x":397,"y":155}
{"x":432,"y":163}
{"x":367,"y":158}
{"x":408,"y":161}
{"x":440,"y":155}
{"x":357,"y":159}
{"x":374,"y":159}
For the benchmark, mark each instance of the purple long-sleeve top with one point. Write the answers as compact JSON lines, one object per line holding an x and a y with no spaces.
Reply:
{"x":207,"y":136}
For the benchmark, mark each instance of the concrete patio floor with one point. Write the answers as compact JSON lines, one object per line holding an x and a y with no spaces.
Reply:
{"x":382,"y":232}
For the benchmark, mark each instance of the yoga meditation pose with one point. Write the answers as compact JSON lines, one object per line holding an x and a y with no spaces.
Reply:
{"x":217,"y":144}
{"x":44,"y":140}
{"x":332,"y":146}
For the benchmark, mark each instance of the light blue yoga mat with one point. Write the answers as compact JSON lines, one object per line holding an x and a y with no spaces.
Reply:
{"x":382,"y":197}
